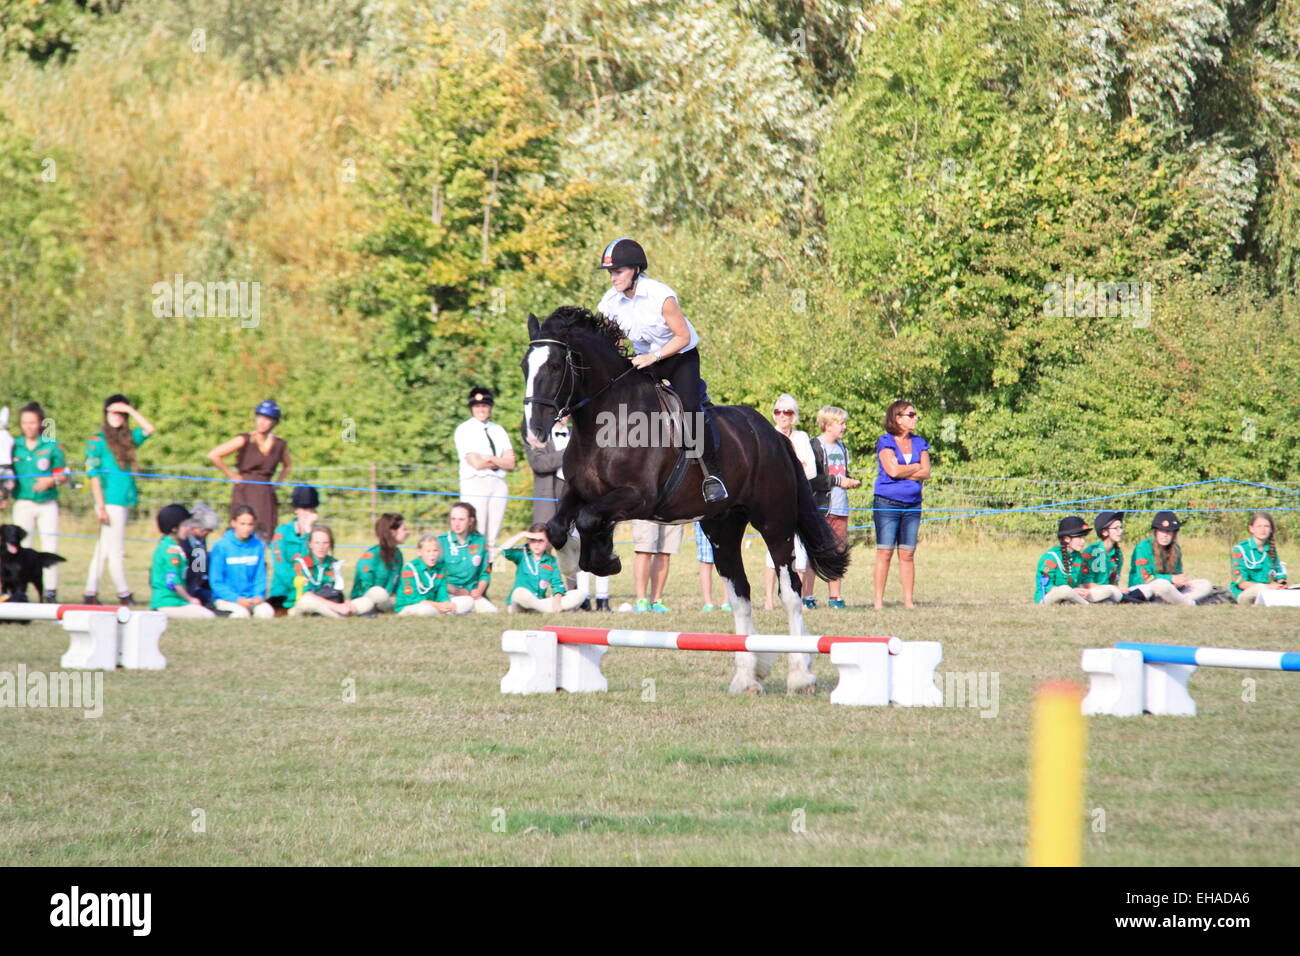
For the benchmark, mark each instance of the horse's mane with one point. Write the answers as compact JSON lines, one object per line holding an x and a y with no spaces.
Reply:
{"x":572,"y":318}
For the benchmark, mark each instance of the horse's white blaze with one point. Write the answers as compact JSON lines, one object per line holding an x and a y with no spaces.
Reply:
{"x":536,"y":359}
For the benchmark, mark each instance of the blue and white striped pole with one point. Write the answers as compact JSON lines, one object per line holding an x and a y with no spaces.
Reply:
{"x":1214,"y":656}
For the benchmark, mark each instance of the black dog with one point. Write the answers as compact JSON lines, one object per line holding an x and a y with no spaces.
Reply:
{"x":21,"y":566}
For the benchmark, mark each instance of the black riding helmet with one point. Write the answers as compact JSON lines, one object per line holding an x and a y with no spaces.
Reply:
{"x":623,"y":252}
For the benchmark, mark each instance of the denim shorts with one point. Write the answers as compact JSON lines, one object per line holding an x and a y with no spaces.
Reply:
{"x":897,"y":523}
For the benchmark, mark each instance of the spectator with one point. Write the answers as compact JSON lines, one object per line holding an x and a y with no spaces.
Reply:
{"x":653,"y":545}
{"x":1255,"y":564}
{"x":704,"y":550}
{"x":374,"y":588}
{"x":785,"y":415}
{"x":485,"y":455}
{"x":237,"y":567}
{"x":831,"y":486}
{"x":318,"y":578}
{"x":1157,"y":569}
{"x":111,"y":463}
{"x":422,"y":590}
{"x":1062,"y":569}
{"x":194,"y":540}
{"x":902,"y":463}
{"x":260,"y":453}
{"x":289,"y":543}
{"x":464,"y":558}
{"x":1104,"y":559}
{"x":7,"y":480}
{"x":40,"y":467}
{"x":536,"y":574}
{"x":167,"y":573}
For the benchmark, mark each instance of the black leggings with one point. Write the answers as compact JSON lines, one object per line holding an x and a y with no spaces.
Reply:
{"x":683,"y":370}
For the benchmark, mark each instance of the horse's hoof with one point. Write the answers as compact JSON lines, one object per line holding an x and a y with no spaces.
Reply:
{"x":801,"y":683}
{"x":745,"y":684}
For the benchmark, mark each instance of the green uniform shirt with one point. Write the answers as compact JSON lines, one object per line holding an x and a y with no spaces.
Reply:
{"x":1252,"y":564}
{"x":167,"y":571}
{"x":1054,"y":570}
{"x":465,"y":565}
{"x":535,"y":575}
{"x":1143,"y":568}
{"x":373,"y":573}
{"x":1102,"y":563}
{"x":308,"y":575}
{"x":118,"y":486}
{"x":39,"y":462}
{"x":287,"y":545}
{"x":419,"y":582}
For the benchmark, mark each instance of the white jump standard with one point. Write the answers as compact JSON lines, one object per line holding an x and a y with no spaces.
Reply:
{"x":1133,"y":678}
{"x":873,"y":670}
{"x":100,"y":636}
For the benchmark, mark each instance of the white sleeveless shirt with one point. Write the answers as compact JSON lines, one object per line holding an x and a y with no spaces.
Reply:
{"x":642,"y":317}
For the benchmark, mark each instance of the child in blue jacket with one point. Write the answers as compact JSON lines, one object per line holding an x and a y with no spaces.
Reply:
{"x":237,"y":568}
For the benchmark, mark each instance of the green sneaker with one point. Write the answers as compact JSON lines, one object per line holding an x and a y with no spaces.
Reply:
{"x":642,"y":606}
{"x":837,"y":603}
{"x":658,"y":607}
{"x":707,"y":608}
{"x":725,"y":607}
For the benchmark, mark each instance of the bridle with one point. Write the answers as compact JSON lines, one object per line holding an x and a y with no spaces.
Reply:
{"x":571,"y":369}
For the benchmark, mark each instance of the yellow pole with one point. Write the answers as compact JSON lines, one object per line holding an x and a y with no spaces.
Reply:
{"x":1057,"y":783}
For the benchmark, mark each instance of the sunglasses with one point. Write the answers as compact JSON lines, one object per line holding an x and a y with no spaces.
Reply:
{"x":783,"y":411}
{"x":909,"y":415}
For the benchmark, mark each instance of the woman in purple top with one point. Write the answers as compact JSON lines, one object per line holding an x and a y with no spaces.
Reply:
{"x":902,"y":463}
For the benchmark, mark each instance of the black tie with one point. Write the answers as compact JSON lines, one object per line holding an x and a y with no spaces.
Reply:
{"x":487,"y":431}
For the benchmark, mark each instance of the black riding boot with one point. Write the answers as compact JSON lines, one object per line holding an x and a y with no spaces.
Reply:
{"x":712,"y":486}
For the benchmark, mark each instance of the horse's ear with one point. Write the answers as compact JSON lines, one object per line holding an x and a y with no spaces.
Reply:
{"x":533,"y":326}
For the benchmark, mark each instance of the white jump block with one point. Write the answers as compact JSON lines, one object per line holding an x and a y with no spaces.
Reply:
{"x":533,"y":662}
{"x":1122,"y":684}
{"x":138,"y":641}
{"x":911,"y":679}
{"x":578,"y":667}
{"x":864,"y":674}
{"x":92,"y":641}
{"x":1115,"y":687}
{"x":1166,"y":689}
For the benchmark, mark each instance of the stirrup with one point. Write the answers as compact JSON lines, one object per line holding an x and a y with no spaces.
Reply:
{"x":713,"y":488}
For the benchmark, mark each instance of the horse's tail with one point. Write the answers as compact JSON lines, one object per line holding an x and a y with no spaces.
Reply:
{"x":828,"y":558}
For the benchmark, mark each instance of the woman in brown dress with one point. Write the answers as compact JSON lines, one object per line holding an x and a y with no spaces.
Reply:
{"x":260,"y":453}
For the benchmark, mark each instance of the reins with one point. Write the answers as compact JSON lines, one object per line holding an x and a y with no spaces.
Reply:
{"x":567,"y":408}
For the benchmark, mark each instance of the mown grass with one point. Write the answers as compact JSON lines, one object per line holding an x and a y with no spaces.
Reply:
{"x":432,"y":765}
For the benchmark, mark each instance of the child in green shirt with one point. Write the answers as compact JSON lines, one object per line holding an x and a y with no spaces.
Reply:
{"x":422,"y":589}
{"x":538,"y":586}
{"x":318,"y":578}
{"x":465,"y":558}
{"x":1255,"y":564}
{"x":289,"y":542}
{"x":374,"y":588}
{"x":111,"y":465}
{"x":1061,"y":569}
{"x":1157,"y":569}
{"x":167,"y":573}
{"x":1103,"y":560}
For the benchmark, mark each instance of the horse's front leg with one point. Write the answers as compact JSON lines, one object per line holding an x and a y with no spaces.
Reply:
{"x":566,"y":511}
{"x":596,"y":529}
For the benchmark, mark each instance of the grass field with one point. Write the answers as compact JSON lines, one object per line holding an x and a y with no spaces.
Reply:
{"x":432,"y":765}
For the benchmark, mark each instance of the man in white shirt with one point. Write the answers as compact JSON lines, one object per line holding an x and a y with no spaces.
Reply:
{"x":649,"y":315}
{"x":485,"y":455}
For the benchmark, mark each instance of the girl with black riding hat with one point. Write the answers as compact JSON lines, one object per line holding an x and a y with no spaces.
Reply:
{"x":648,"y":313}
{"x":1157,"y":569}
{"x":1105,"y":561}
{"x":1061,"y":570}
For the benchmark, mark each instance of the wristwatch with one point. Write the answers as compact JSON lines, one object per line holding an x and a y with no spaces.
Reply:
{"x":659,"y":355}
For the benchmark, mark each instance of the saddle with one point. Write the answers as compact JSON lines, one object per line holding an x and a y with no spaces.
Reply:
{"x":670,"y":405}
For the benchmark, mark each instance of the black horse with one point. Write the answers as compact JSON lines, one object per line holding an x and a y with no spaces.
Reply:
{"x":631,"y":455}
